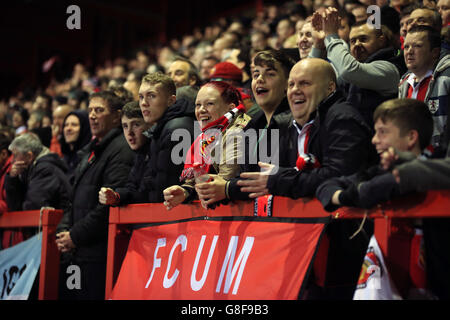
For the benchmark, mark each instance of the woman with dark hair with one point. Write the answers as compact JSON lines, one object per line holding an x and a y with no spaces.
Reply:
{"x":76,"y":134}
{"x":218,"y":149}
{"x":19,"y":120}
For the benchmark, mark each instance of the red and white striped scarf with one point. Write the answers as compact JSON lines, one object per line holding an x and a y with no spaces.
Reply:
{"x":199,"y":154}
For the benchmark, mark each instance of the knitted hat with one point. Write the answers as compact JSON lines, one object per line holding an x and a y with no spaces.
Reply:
{"x":226,"y":71}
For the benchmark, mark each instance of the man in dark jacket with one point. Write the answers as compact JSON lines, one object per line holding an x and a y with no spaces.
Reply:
{"x":155,"y":167}
{"x":83,"y":231}
{"x":172,"y":123}
{"x":37,"y":177}
{"x":327,"y":138}
{"x":135,"y":190}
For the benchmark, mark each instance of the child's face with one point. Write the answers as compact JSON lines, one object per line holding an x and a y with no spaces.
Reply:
{"x":133,"y":129}
{"x":387,"y":134}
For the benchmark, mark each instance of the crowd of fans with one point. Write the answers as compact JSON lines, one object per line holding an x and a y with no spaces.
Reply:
{"x":360,"y":114}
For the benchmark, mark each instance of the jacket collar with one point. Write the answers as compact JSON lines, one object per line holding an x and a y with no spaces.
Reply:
{"x":325,"y":104}
{"x":180,"y":108}
{"x":99,"y":146}
{"x":259,"y":119}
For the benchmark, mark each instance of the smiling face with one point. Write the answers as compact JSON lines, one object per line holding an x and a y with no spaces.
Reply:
{"x":17,"y":120}
{"x":308,"y":85}
{"x":364,"y":42}
{"x":269,"y":85}
{"x":209,"y":106}
{"x":305,"y":40}
{"x":387,"y":134}
{"x":154,"y":101}
{"x":71,"y":129}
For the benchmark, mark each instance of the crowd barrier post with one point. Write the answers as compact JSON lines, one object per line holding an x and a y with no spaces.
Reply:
{"x":118,"y":238}
{"x":49,"y":273}
{"x":47,"y":220}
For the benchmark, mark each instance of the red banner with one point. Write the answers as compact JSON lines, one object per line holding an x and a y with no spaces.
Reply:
{"x":265,"y":258}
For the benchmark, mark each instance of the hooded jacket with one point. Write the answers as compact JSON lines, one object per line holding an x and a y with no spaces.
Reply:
{"x":84,"y":137}
{"x":437,"y":99}
{"x":154,"y":169}
{"x":44,"y":183}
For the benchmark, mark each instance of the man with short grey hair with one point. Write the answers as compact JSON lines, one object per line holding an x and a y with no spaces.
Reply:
{"x":37,"y":177}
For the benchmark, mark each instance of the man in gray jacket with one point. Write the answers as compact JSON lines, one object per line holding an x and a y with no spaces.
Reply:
{"x":371,"y":68}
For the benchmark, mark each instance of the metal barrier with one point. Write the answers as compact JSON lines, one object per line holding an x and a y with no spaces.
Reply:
{"x":48,"y":220}
{"x":392,"y":228}
{"x":392,"y":224}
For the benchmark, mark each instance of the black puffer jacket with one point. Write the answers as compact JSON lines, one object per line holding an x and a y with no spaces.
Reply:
{"x":160,"y":170}
{"x":87,"y":220}
{"x":339,"y":139}
{"x":44,"y":184}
